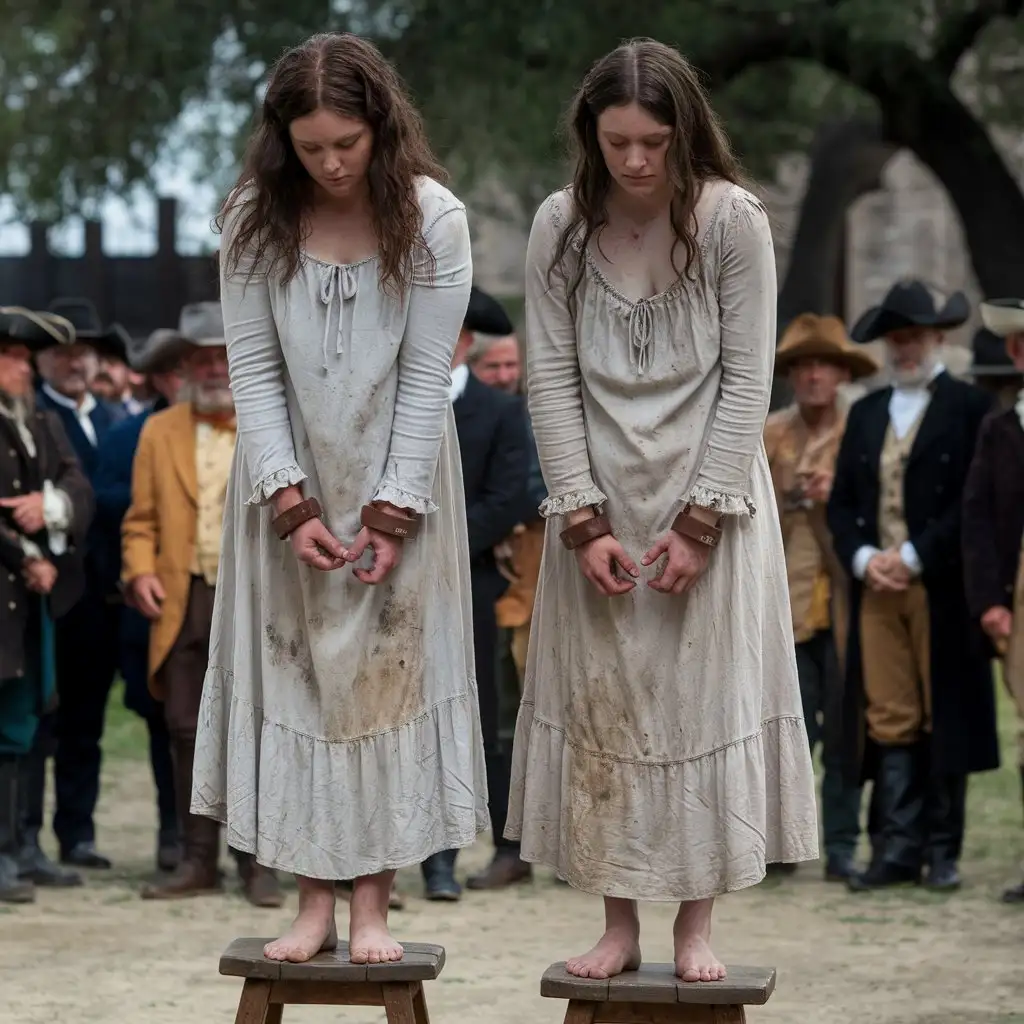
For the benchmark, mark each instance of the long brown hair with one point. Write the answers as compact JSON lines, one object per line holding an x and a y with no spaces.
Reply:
{"x":348,"y":76}
{"x":660,"y":80}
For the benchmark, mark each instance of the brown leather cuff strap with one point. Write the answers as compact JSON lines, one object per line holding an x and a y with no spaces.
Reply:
{"x":590,"y":529}
{"x":386,"y":522}
{"x":687,"y":525}
{"x":292,"y":518}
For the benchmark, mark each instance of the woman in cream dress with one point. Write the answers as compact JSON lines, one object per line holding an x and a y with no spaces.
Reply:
{"x":660,"y":751}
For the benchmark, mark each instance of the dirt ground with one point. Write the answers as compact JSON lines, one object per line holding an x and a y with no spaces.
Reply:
{"x":99,"y":955}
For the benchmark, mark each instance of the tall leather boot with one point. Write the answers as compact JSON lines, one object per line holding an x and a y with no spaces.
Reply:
{"x":12,"y":888}
{"x":439,"y":879}
{"x":197,"y":872}
{"x":259,"y":884}
{"x":946,"y":811}
{"x":33,"y":863}
{"x":900,"y":787}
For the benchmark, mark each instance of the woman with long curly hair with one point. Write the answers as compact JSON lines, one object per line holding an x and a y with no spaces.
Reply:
{"x":660,"y":751}
{"x":339,"y":731}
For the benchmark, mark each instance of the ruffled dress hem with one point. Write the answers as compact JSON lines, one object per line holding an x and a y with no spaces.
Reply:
{"x":342,"y":809}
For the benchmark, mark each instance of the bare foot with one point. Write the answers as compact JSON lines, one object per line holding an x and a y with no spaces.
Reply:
{"x":695,"y":961}
{"x":313,"y":929}
{"x":369,"y":941}
{"x":617,"y":950}
{"x":691,"y":934}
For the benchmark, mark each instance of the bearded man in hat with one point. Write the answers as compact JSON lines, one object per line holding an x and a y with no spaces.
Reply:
{"x":993,"y":524}
{"x":491,"y":425}
{"x":171,"y":556}
{"x":919,"y":709}
{"x":45,"y":509}
{"x":802,"y":441}
{"x":158,"y":363}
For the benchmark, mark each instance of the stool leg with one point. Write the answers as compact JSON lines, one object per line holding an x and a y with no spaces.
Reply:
{"x":580,"y":1012}
{"x":419,"y":1004}
{"x":274,"y":1011}
{"x":399,"y":1004}
{"x":254,"y":1003}
{"x":730,"y":1015}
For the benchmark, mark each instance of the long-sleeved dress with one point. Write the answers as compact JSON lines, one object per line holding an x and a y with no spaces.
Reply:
{"x":660,"y":749}
{"x":339,"y":727}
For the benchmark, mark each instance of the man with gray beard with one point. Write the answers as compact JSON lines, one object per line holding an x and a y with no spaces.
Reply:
{"x":919,"y":702}
{"x":170,"y":561}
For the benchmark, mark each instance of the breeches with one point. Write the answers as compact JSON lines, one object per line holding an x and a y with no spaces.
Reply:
{"x":895,"y":660}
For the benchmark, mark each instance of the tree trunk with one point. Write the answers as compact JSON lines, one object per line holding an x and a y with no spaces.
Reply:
{"x":847,"y":159}
{"x":946,"y":137}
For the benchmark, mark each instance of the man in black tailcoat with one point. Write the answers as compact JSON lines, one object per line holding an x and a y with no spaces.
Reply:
{"x":919,"y":710}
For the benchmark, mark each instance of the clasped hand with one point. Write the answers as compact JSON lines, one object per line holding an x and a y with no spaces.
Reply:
{"x":315,"y":546}
{"x":601,"y":560}
{"x":887,"y":573}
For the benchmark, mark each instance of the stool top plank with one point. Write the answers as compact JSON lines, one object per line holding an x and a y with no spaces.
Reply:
{"x":657,"y":983}
{"x":244,"y":958}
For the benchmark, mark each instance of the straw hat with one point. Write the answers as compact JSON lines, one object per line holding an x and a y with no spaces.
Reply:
{"x":822,"y":337}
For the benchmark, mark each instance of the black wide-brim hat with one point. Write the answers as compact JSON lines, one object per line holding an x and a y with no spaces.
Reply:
{"x":911,"y":304}
{"x":486,"y":315}
{"x":113,"y":340}
{"x":989,"y":356}
{"x":36,"y":331}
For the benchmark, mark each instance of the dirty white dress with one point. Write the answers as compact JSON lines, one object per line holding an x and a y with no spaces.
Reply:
{"x":660,"y":750}
{"x":339,"y":728}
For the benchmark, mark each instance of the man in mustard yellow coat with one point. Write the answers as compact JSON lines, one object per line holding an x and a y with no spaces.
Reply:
{"x":171,"y":550}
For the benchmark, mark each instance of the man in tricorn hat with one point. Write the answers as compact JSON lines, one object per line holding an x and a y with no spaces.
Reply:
{"x":802,"y":441}
{"x":45,"y":509}
{"x":171,"y":560}
{"x":491,"y":427}
{"x":993,"y":522}
{"x":158,"y":362}
{"x":919,"y":710}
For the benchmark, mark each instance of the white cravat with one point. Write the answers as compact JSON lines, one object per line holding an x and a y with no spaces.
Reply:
{"x":81,"y":411}
{"x":460,"y":378}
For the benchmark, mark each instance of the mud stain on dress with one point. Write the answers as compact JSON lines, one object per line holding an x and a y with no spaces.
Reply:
{"x":387,"y":688}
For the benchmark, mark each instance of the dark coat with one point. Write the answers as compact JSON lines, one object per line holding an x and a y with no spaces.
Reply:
{"x":112,"y":481}
{"x":963,"y":697}
{"x":494,"y":449}
{"x":22,"y":474}
{"x":993,"y":513}
{"x":103,"y":417}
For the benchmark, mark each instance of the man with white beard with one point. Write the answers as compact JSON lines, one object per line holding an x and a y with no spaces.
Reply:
{"x":919,"y":707}
{"x":171,"y":555}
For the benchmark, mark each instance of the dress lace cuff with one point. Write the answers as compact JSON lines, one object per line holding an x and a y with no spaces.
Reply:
{"x":405,"y":499}
{"x":726,"y":502}
{"x":269,"y":485}
{"x":570,"y":501}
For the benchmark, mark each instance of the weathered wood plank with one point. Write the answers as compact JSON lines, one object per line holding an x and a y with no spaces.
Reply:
{"x":653,"y":983}
{"x":327,"y":993}
{"x":244,"y":959}
{"x":652,"y":1013}
{"x":657,"y":983}
{"x":419,"y":1004}
{"x":423,"y":961}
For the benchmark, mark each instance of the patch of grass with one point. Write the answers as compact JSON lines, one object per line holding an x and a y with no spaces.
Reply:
{"x":124,"y":735}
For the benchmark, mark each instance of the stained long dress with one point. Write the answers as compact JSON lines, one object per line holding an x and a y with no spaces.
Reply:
{"x":339,"y":728}
{"x":660,"y":750}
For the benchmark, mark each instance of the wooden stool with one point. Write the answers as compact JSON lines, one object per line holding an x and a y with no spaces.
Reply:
{"x":654,"y":995}
{"x":331,"y":979}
